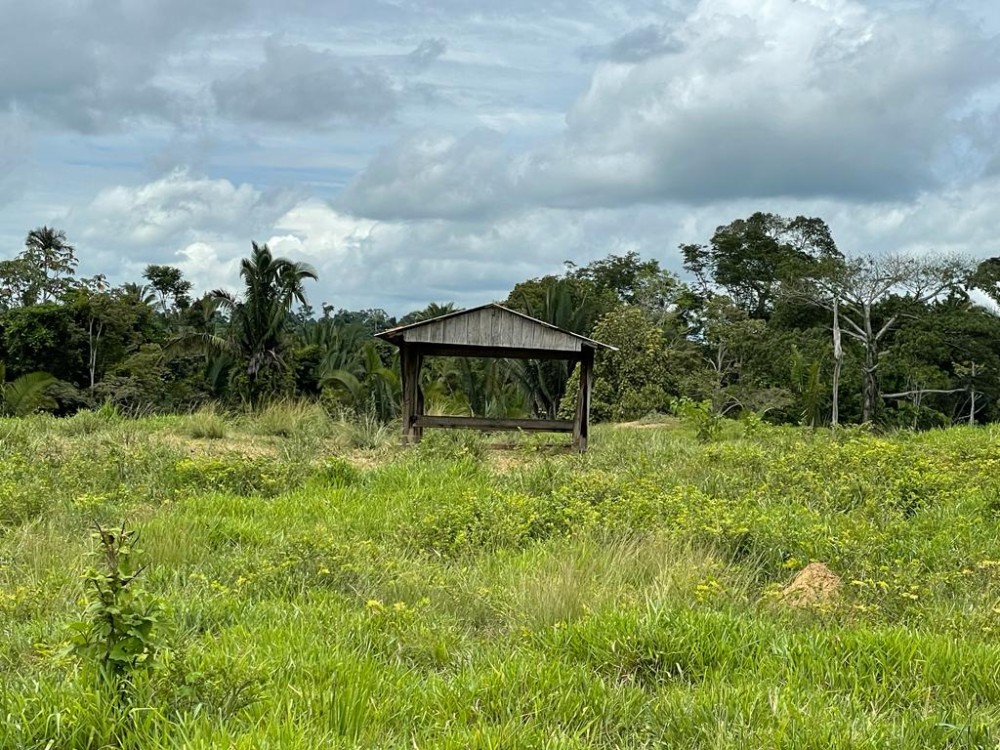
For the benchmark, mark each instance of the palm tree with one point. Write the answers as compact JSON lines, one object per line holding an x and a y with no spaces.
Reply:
{"x":50,"y":258}
{"x":339,"y":344}
{"x":257,"y":321}
{"x":569,"y":305}
{"x":137,"y":294}
{"x":369,"y":386}
{"x":25,"y":394}
{"x":433,"y":310}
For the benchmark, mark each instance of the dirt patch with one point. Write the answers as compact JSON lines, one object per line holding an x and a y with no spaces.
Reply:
{"x":812,"y":586}
{"x":660,"y":423}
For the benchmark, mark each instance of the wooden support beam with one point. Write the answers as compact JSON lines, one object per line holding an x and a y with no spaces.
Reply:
{"x":581,"y":424}
{"x":452,"y":350}
{"x":418,"y":411}
{"x":485,"y":423}
{"x":409,"y":362}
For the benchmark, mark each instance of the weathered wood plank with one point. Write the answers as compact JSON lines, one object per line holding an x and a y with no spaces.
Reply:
{"x":484,"y":423}
{"x":447,"y":350}
{"x":492,"y":327}
{"x":484,"y":329}
{"x":409,"y":360}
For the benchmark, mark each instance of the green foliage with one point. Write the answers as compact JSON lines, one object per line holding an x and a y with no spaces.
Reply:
{"x":152,"y":349}
{"x":811,"y":390}
{"x":369,"y":385}
{"x":170,"y":285}
{"x":117,"y":633}
{"x":236,"y":474}
{"x":41,"y":272}
{"x":287,"y":418}
{"x":337,"y":472}
{"x":645,"y":372}
{"x":44,"y":338}
{"x":699,"y":416}
{"x":258,"y":320}
{"x":750,"y":258}
{"x":142,"y":383}
{"x":26,"y":394}
{"x":365,"y":431}
{"x":88,"y":421}
{"x":453,"y":444}
{"x":631,"y":281}
{"x":573,"y":304}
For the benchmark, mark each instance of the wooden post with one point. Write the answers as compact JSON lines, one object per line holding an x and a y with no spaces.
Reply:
{"x":409,"y":365}
{"x":418,"y":410}
{"x":581,"y":427}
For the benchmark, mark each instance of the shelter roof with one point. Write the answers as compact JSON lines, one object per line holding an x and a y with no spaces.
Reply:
{"x":491,"y":327}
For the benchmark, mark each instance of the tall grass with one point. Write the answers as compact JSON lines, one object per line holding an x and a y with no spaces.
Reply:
{"x":325,"y":588}
{"x":207,"y":423}
{"x":289,"y":418}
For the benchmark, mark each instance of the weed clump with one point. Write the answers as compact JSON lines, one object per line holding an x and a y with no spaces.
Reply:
{"x":288,"y":418}
{"x":117,"y":634}
{"x":699,"y":416}
{"x":237,"y":474}
{"x":458,"y":445}
{"x":206,"y":424}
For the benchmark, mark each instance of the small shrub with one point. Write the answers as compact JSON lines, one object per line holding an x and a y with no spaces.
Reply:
{"x":700,"y":416}
{"x":87,"y":422}
{"x":752,"y":423}
{"x":117,"y":632}
{"x":21,"y":498}
{"x":222,"y":689}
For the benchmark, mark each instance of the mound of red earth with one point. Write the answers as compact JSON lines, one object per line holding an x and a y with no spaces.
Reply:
{"x":812,"y":586}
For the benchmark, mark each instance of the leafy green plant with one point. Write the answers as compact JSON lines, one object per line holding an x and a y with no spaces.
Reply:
{"x":337,"y":472}
{"x":88,"y":422}
{"x":751,"y":422}
{"x":364,"y":430}
{"x":24,"y":394}
{"x":117,"y":632}
{"x":700,"y":416}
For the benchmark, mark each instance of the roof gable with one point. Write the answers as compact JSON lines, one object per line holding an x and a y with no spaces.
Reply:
{"x":490,"y":326}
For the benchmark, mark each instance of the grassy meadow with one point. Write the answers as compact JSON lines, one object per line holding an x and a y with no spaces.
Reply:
{"x":319,"y":587}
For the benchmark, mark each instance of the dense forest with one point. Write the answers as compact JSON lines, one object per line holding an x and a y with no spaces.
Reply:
{"x":772,"y":321}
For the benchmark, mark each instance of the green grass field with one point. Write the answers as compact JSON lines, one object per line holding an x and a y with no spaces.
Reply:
{"x":318,"y":594}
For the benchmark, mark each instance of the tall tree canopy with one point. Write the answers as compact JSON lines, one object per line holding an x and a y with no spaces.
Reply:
{"x":750,"y":258}
{"x":259,"y":319}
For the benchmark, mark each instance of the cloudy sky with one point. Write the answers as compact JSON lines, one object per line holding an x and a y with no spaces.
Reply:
{"x":419,"y":150}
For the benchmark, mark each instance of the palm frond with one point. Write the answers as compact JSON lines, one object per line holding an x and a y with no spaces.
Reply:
{"x":26,"y":394}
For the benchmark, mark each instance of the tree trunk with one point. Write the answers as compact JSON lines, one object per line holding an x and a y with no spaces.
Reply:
{"x":838,"y":361}
{"x":870,"y":388}
{"x":94,"y":340}
{"x":972,"y":389}
{"x":870,"y":392}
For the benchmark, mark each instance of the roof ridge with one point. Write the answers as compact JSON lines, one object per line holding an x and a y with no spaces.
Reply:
{"x":391,"y":333}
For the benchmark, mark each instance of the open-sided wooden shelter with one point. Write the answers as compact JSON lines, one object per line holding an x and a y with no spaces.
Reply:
{"x":490,"y":331}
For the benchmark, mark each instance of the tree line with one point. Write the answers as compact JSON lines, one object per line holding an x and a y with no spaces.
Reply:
{"x":772,"y":320}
